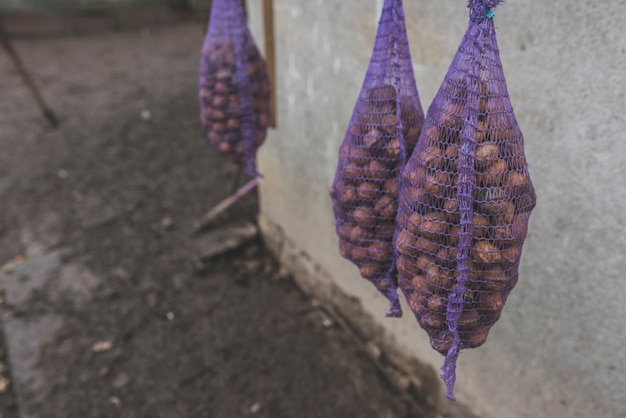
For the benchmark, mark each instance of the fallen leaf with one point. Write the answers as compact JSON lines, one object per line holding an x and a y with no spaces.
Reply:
{"x":101,"y":346}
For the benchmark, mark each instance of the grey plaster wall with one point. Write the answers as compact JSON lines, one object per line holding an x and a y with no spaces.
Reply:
{"x":560,"y":348}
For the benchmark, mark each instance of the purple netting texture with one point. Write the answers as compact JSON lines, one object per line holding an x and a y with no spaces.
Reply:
{"x":465,"y":201}
{"x":234,"y":86}
{"x":384,"y":129}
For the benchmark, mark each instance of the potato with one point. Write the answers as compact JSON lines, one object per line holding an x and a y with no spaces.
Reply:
{"x":390,"y":188}
{"x":371,"y":271}
{"x":439,"y":278}
{"x":368,"y":191}
{"x":437,"y":303}
{"x":433,"y":225}
{"x":475,"y":337}
{"x":345,"y":249}
{"x":360,"y":253}
{"x":414,"y":223}
{"x":495,"y":280}
{"x":451,"y":209}
{"x":493,"y":301}
{"x":381,"y":251}
{"x":373,"y":138}
{"x":392,"y":150}
{"x":357,"y":235}
{"x":486,"y":153}
{"x":512,"y":255}
{"x":481,"y":225}
{"x":386,"y":207}
{"x":406,"y":265}
{"x":426,"y":245}
{"x":433,"y":320}
{"x":494,"y":174}
{"x":405,"y":243}
{"x":485,"y":252}
{"x":469,"y":318}
{"x":441,"y":342}
{"x":420,"y":284}
{"x":364,"y":216}
{"x":353,"y":172}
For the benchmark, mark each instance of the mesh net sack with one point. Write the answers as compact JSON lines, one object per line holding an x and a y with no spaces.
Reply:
{"x":234,"y":86}
{"x":465,"y":200}
{"x":384,"y":129}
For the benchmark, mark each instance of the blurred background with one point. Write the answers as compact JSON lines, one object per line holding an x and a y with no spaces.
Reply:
{"x":113,"y":306}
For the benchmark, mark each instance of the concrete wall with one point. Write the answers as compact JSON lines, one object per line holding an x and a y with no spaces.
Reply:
{"x":560,"y":348}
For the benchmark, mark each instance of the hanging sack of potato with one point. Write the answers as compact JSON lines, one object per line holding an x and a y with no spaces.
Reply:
{"x":384,"y":129}
{"x":234,"y":86}
{"x":465,"y":200}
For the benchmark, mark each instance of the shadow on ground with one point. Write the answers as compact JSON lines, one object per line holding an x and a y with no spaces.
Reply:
{"x":108,"y":309}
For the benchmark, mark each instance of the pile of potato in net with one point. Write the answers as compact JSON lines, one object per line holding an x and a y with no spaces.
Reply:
{"x":465,"y":201}
{"x":384,"y":129}
{"x":234,"y":86}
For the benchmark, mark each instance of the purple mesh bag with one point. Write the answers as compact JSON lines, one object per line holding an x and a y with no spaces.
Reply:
{"x":384,"y":129}
{"x":465,"y":200}
{"x":234,"y":86}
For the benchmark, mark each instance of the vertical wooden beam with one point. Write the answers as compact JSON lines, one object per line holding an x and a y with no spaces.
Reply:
{"x":270,"y":54}
{"x":28,"y":79}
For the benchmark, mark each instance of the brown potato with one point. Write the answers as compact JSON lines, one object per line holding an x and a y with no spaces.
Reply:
{"x":476,"y":336}
{"x":407,"y":265}
{"x":414,"y":223}
{"x":360,"y":253}
{"x":451,"y":208}
{"x":437,"y":303}
{"x":494,"y":174}
{"x":405,"y":243}
{"x":491,"y":301}
{"x":494,"y":280}
{"x":424,"y":244}
{"x":432,"y":320}
{"x":485,"y":252}
{"x":347,"y":195}
{"x":441,"y":342}
{"x":381,"y":251}
{"x":433,"y":225}
{"x":373,"y":138}
{"x":376,"y":170}
{"x":420,"y":284}
{"x":512,"y":255}
{"x":432,"y":157}
{"x":504,"y":208}
{"x":481,"y":225}
{"x":390,"y":188}
{"x":416,"y":303}
{"x":368,"y":191}
{"x":364,"y":216}
{"x":370,"y":271}
{"x":438,"y":184}
{"x":386,"y":207}
{"x":486,"y":153}
{"x":447,"y":254}
{"x":439,"y":278}
{"x":357,"y":235}
{"x":345,"y":249}
{"x":352,"y":172}
{"x":469,"y":318}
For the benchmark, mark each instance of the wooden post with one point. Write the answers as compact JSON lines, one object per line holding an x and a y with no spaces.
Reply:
{"x":270,"y":54}
{"x":28,"y":79}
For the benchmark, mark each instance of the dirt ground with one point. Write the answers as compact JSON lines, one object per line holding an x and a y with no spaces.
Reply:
{"x":107,"y":310}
